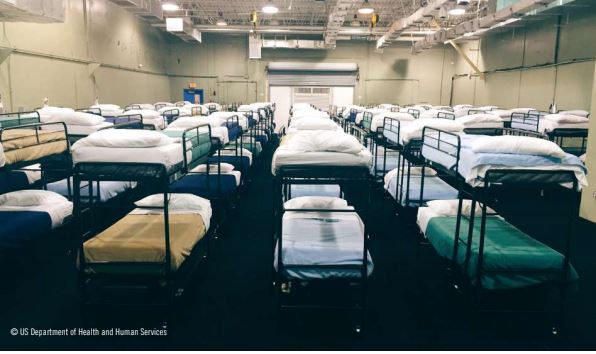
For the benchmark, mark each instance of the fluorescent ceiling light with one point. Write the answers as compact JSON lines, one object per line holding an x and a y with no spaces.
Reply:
{"x":269,"y":8}
{"x":366,"y":9}
{"x":457,"y":11}
{"x":168,"y":6}
{"x":174,"y":24}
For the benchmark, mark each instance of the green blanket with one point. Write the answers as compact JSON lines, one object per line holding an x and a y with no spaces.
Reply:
{"x":512,"y":259}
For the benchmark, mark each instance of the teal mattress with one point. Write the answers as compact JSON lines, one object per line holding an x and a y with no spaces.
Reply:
{"x":13,"y":121}
{"x":512,"y":259}
{"x":198,"y":150}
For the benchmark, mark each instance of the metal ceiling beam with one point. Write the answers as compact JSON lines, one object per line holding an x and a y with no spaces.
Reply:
{"x":336,"y":19}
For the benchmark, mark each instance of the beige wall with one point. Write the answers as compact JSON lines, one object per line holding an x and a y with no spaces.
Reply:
{"x":221,"y":65}
{"x":570,"y":84}
{"x":52,"y":59}
{"x":517,"y":68}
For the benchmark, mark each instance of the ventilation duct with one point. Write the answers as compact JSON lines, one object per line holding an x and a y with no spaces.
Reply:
{"x":313,"y":67}
{"x":149,"y":10}
{"x":46,"y":11}
{"x":293,"y":44}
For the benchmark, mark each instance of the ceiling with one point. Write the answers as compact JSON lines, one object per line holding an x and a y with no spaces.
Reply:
{"x":294,"y":13}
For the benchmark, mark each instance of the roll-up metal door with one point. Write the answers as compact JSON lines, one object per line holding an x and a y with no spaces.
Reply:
{"x":312,"y":74}
{"x":319,"y":97}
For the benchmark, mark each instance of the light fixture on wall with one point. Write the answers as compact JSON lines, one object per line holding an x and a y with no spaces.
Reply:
{"x":270,"y":8}
{"x":168,"y":6}
{"x":221,"y":21}
{"x":365,"y":8}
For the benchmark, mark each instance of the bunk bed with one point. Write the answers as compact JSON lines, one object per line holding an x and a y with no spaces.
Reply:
{"x":492,"y":254}
{"x":322,"y":240}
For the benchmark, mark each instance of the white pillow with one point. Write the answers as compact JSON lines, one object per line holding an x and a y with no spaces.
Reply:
{"x":449,"y":207}
{"x":479,"y":118}
{"x":176,"y":201}
{"x":186,"y":122}
{"x":107,"y":107}
{"x":224,"y":168}
{"x":127,"y":138}
{"x":566,"y":118}
{"x":31,"y":198}
{"x":577,"y":112}
{"x":323,"y":140}
{"x":316,"y":203}
{"x":400,"y":116}
{"x":85,"y":119}
{"x":523,"y":145}
{"x":314,"y":124}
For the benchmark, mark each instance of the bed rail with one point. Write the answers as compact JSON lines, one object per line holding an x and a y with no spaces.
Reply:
{"x":132,"y":106}
{"x":170,"y":115}
{"x":525,"y":121}
{"x":91,"y":110}
{"x":45,"y":135}
{"x":414,"y":112}
{"x":12,"y":119}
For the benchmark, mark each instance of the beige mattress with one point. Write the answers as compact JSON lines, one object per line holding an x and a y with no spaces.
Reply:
{"x":140,"y":238}
{"x":25,"y":145}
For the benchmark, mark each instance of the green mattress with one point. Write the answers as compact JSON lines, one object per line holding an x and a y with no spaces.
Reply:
{"x":13,"y":121}
{"x":512,"y":259}
{"x":198,"y":150}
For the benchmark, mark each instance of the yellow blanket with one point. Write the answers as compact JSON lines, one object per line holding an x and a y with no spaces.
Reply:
{"x":140,"y":238}
{"x":25,"y":145}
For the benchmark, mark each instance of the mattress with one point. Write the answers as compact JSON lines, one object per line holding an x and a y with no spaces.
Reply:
{"x":19,"y":228}
{"x":473,"y":166}
{"x":311,"y":190}
{"x":140,"y":238}
{"x":512,"y":259}
{"x":21,"y":145}
{"x":322,"y":239}
{"x":548,"y":126}
{"x":197,"y":184}
{"x":57,"y":212}
{"x":283,"y":158}
{"x":168,"y":155}
{"x":434,"y":189}
{"x":86,"y":129}
{"x":106,"y":191}
{"x":13,"y":121}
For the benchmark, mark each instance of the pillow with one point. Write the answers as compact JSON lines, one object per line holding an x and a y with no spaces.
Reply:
{"x":576,"y":112}
{"x":224,"y":167}
{"x":400,"y":116}
{"x":186,"y":122}
{"x":2,"y":156}
{"x":522,"y":145}
{"x":314,"y":124}
{"x":85,"y":119}
{"x":316,"y":203}
{"x":176,"y":201}
{"x":323,"y":140}
{"x":127,"y":138}
{"x":449,"y":207}
{"x":479,"y":118}
{"x":566,"y":118}
{"x":107,"y":107}
{"x":31,"y":198}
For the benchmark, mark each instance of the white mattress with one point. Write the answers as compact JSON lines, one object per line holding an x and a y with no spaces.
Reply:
{"x":484,"y":125}
{"x":322,"y":239}
{"x":86,"y":129}
{"x":57,"y":211}
{"x":284,"y":157}
{"x":424,"y":216}
{"x":107,"y":189}
{"x":547,"y":126}
{"x":168,"y":155}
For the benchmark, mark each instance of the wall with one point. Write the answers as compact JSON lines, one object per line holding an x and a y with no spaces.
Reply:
{"x":219,"y":63}
{"x":54,"y":59}
{"x":526,"y":76}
